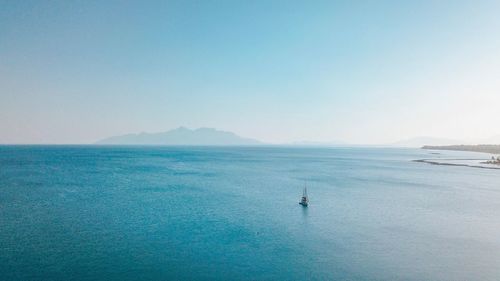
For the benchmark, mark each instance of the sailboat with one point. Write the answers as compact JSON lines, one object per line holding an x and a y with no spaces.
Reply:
{"x":304,"y":201}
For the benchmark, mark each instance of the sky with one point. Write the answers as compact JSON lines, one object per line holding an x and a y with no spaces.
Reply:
{"x":365,"y":72}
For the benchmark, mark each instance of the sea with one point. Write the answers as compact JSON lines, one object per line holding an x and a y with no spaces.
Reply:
{"x":232,"y":213}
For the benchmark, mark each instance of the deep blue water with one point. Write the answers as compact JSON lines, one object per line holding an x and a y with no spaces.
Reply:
{"x":194,"y":213}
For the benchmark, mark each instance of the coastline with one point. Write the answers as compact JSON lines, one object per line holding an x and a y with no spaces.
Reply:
{"x":484,"y":148}
{"x":477,"y":163}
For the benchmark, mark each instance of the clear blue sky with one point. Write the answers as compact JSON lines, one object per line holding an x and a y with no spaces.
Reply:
{"x":358,"y":71}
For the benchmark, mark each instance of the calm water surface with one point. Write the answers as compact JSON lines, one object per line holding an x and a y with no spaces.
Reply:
{"x":194,"y":213}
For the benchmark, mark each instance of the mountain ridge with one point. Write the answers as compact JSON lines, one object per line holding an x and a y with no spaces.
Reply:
{"x":181,"y":136}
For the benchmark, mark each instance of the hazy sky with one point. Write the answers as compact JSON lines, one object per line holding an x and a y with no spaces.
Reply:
{"x":358,"y":71}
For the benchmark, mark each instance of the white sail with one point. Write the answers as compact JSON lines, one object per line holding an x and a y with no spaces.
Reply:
{"x":304,"y":201}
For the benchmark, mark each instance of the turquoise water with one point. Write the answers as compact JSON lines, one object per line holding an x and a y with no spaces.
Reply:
{"x":194,"y":213}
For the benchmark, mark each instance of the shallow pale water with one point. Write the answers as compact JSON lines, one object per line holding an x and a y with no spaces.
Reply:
{"x":221,"y":213}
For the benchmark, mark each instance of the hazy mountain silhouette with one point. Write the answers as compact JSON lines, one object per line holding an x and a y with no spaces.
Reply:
{"x":181,"y":136}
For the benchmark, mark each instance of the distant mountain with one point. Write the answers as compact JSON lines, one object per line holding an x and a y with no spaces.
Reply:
{"x":421,"y":141}
{"x":181,"y":136}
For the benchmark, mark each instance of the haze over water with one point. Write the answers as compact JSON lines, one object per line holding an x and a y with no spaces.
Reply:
{"x":232,"y":213}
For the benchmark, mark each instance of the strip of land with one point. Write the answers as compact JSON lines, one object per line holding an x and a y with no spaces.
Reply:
{"x":486,"y":148}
